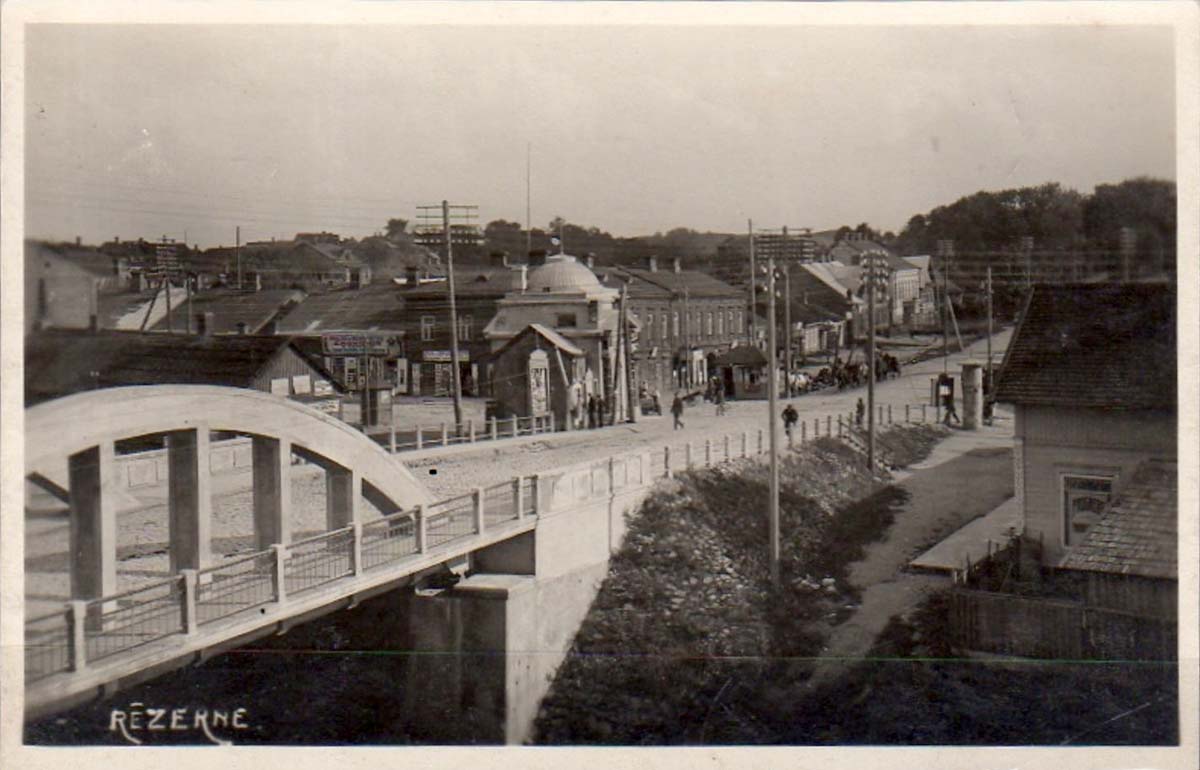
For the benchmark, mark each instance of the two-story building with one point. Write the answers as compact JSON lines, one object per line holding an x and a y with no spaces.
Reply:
{"x":686,"y":319}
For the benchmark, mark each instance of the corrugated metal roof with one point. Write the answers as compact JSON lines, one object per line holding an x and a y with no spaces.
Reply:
{"x":662,"y":283}
{"x":1138,"y":533}
{"x":1108,"y":346}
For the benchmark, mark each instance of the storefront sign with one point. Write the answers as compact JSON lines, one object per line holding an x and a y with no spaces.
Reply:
{"x":539,"y":383}
{"x":443,"y":356}
{"x":360,"y":344}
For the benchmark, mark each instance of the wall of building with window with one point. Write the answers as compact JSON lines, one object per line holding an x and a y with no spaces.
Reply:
{"x":1069,"y":462}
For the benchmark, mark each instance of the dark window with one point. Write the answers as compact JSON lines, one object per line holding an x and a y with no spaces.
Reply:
{"x":565,"y":321}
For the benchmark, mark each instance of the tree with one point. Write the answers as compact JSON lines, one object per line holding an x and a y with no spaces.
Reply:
{"x":395,"y":228}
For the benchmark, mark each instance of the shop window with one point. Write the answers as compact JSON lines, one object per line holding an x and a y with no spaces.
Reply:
{"x":1084,"y":499}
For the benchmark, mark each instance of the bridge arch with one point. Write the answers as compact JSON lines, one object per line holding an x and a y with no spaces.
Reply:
{"x":70,"y":446}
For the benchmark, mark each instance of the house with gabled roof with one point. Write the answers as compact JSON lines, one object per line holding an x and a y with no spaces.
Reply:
{"x":1091,"y":371}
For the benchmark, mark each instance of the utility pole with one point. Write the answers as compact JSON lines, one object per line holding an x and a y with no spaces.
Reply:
{"x":627,"y":349}
{"x":874,"y":264}
{"x":237,"y":251}
{"x":753,"y":287}
{"x":528,"y":207}
{"x":166,"y":282}
{"x":772,"y":419}
{"x":787,"y":325}
{"x":946,"y":247}
{"x":466,"y":213}
{"x":991,"y":382}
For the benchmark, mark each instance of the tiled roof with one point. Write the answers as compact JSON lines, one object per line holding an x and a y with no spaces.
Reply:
{"x":58,"y":363}
{"x":229,"y":307}
{"x":1108,"y":346}
{"x":1138,"y":533}
{"x":471,"y":279}
{"x":375,"y":306}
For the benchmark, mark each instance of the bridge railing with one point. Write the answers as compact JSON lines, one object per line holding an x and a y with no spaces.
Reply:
{"x":243,"y":583}
{"x":139,"y":616}
{"x":317,"y":560}
{"x":413,"y":437}
{"x":47,"y":645}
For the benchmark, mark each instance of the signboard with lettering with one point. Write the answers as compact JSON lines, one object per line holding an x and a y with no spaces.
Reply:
{"x":443,"y":356}
{"x":539,"y":391}
{"x":360,"y":344}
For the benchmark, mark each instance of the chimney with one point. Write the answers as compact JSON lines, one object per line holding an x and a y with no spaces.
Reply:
{"x":675,"y":264}
{"x":500,"y":259}
{"x":205,"y":323}
{"x":412,"y":278}
{"x":652,"y":264}
{"x":522,"y":281}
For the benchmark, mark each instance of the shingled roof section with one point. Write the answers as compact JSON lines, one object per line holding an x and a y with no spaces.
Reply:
{"x":663,"y":283}
{"x":1109,"y":346}
{"x":377,"y":306}
{"x":1138,"y":533}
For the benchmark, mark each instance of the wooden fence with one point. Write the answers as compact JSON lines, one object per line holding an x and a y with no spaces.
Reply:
{"x":1037,"y":627}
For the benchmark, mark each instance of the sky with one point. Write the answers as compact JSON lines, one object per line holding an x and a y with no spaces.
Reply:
{"x":190,"y":131}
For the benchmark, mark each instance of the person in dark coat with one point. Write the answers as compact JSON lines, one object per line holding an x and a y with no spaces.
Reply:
{"x":593,"y":410}
{"x":790,"y":418}
{"x":859,"y":410}
{"x":677,"y":410}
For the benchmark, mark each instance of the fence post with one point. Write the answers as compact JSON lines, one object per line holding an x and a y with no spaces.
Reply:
{"x":421,"y":530}
{"x":707,"y":452}
{"x":667,"y":462}
{"x":828,"y":425}
{"x":839,"y":426}
{"x":420,"y":441}
{"x":906,"y":413}
{"x":392,"y":434}
{"x":745,"y":444}
{"x":495,"y":428}
{"x":760,"y":438}
{"x":688,"y":456}
{"x":280,"y":552}
{"x":612,"y":476}
{"x":803,"y":431}
{"x":923,"y":417}
{"x":477,"y":500}
{"x":191,"y":621}
{"x":515,"y":429}
{"x":726,"y":458}
{"x":552,"y":426}
{"x":77,"y":636}
{"x":356,"y":543}
{"x":471,"y":431}
{"x":889,"y":406}
{"x":880,"y":418}
{"x":445,"y":435}
{"x":535,"y":492}
{"x":816,"y":427}
{"x":519,"y":498}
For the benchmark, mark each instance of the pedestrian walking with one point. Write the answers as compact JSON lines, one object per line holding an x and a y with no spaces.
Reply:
{"x":677,"y":411}
{"x":593,"y":408}
{"x":790,"y":418}
{"x":719,"y":395}
{"x":859,"y":410}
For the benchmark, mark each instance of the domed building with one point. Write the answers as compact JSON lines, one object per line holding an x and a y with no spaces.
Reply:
{"x":564,"y":297}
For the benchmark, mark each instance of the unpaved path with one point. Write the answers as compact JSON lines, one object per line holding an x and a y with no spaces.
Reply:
{"x":941,"y":499}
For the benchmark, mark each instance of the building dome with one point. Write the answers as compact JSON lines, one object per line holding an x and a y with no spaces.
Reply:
{"x":562,"y":273}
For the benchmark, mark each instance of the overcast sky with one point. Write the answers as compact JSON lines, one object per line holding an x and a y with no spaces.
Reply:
{"x":152,"y":130}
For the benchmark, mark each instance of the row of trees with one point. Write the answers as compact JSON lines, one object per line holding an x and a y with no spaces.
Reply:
{"x":1054,"y":217}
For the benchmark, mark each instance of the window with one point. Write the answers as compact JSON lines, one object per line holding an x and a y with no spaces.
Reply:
{"x":1084,"y":499}
{"x":708,"y":324}
{"x":662,"y":326}
{"x":565,"y":321}
{"x":720,"y":324}
{"x":675,"y":323}
{"x":649,"y":325}
{"x":427,"y":325}
{"x":732,"y":328}
{"x":464,"y":327}
{"x":741,"y":320}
